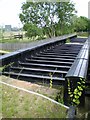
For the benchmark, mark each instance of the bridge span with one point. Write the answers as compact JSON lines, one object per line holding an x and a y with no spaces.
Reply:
{"x":51,"y":60}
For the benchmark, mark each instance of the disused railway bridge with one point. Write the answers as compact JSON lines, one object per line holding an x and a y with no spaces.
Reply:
{"x":51,"y":59}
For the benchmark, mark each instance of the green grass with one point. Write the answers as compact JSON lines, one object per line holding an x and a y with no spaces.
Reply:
{"x":8,"y":40}
{"x":83,"y":34}
{"x":19,"y":104}
{"x":39,"y":88}
{"x":1,"y":68}
{"x":9,"y":37}
{"x":3,"y":52}
{"x":24,"y":40}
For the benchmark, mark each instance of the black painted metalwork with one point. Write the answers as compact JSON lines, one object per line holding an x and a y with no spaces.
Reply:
{"x":78,"y":70}
{"x":58,"y":63}
{"x":25,"y":64}
{"x":62,"y":61}
{"x":35,"y":49}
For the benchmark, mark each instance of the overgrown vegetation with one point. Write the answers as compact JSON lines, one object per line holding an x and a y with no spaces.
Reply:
{"x":80,"y":24}
{"x":74,"y":96}
{"x":19,"y":104}
{"x":6,"y":66}
{"x":68,"y":40}
{"x":83,"y":34}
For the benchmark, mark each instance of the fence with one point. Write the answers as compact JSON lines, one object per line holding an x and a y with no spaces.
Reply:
{"x":17,"y":46}
{"x":14,"y":46}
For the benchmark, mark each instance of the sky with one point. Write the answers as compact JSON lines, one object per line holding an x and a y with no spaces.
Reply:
{"x":10,"y":9}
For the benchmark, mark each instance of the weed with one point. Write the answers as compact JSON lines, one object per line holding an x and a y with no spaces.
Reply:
{"x":68,"y":40}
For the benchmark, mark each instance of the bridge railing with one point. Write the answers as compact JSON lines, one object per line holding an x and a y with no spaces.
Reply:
{"x":40,"y":46}
{"x":76,"y":76}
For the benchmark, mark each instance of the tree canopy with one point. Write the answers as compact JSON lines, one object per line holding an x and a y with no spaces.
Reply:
{"x":81,"y":23}
{"x":52,"y":17}
{"x":32,"y":30}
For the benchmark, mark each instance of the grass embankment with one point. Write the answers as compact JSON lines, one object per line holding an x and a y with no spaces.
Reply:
{"x":19,"y":104}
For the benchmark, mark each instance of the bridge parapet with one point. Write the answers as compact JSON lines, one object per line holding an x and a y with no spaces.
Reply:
{"x":76,"y":76}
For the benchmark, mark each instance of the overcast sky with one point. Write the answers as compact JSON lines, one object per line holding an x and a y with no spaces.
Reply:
{"x":10,"y":9}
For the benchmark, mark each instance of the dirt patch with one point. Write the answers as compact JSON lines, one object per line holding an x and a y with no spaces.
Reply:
{"x":50,"y":92}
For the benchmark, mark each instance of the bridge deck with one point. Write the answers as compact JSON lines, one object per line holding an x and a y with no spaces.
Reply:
{"x":45,"y":59}
{"x":50,"y":63}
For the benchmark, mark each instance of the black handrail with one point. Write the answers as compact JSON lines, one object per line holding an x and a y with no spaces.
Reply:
{"x":77,"y":73}
{"x":80,"y":65}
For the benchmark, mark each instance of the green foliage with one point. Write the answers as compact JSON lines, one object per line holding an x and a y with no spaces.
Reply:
{"x":1,"y":68}
{"x":68,"y":40}
{"x":51,"y":83}
{"x":59,"y":98}
{"x":5,"y":66}
{"x":84,"y":34}
{"x":75,"y":95}
{"x":32,"y":30}
{"x":81,"y":23}
{"x":53,"y":17}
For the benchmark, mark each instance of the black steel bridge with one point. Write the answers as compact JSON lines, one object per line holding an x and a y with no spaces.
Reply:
{"x":51,"y":59}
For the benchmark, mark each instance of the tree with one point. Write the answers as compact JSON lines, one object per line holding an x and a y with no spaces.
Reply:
{"x":32,"y":30}
{"x":52,"y":17}
{"x":81,"y":23}
{"x":89,"y":26}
